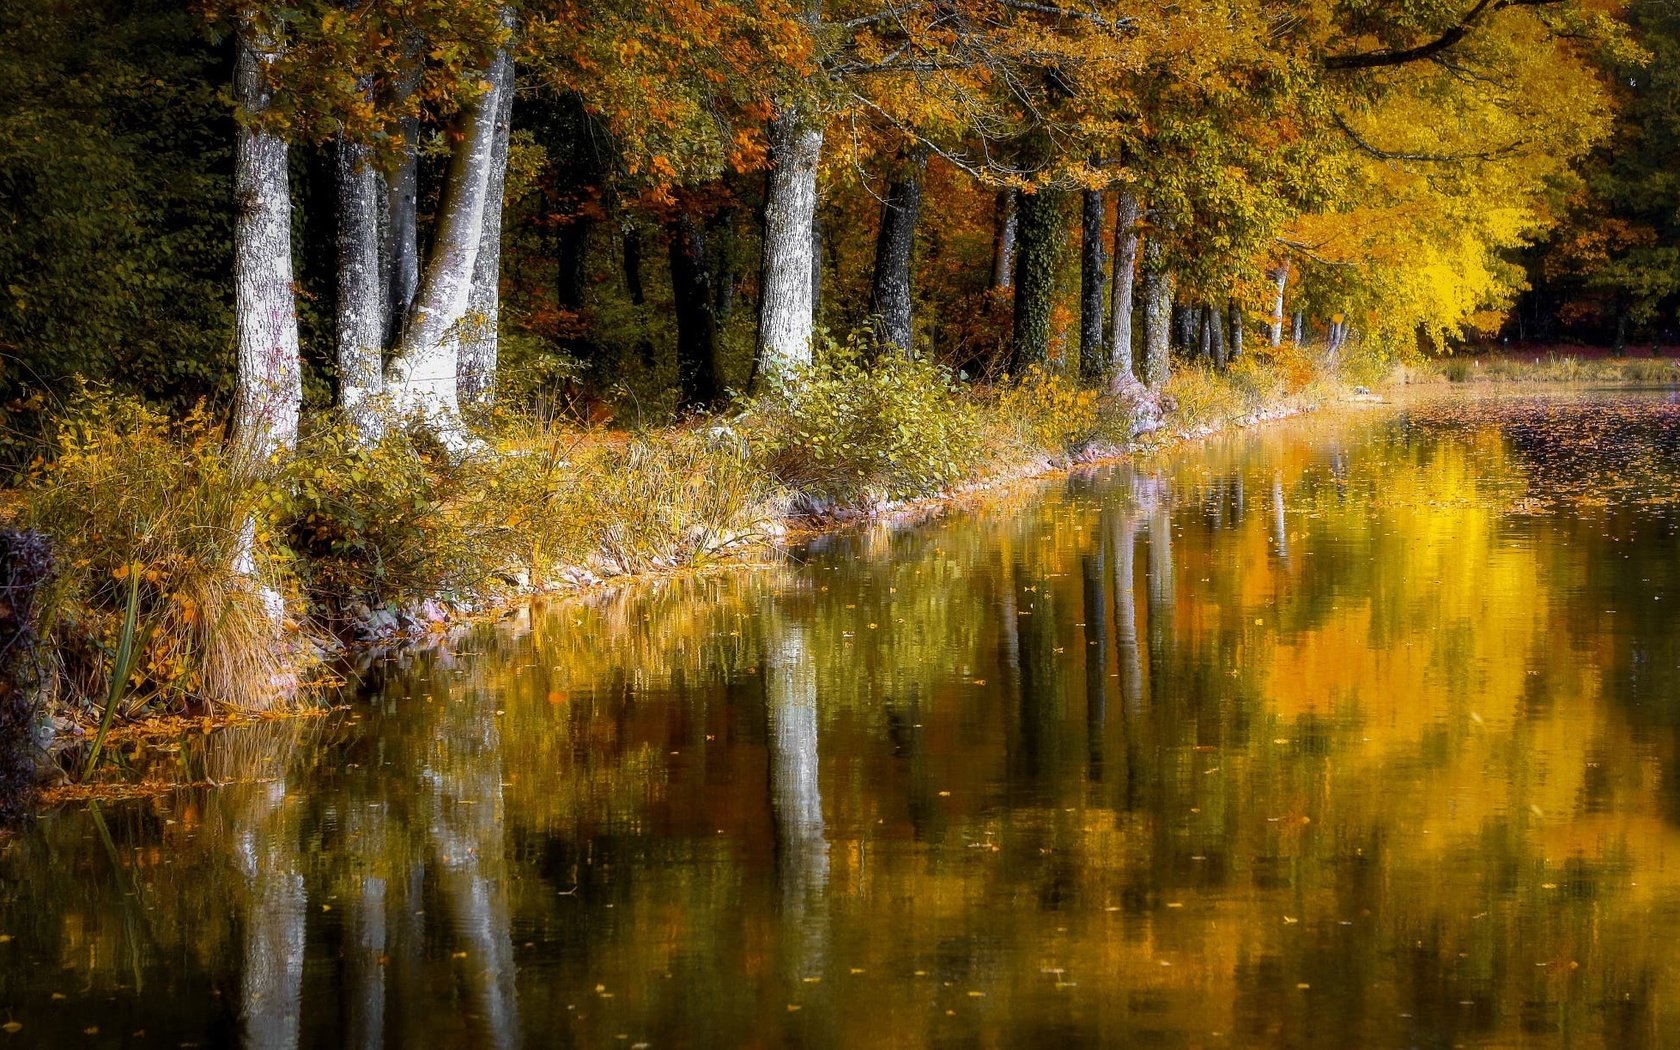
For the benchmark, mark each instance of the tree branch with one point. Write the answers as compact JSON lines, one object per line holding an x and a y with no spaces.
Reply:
{"x":1401,"y":56}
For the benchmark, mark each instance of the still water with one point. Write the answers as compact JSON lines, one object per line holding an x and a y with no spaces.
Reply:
{"x":1361,"y":730}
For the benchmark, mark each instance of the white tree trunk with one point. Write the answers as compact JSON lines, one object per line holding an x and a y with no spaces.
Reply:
{"x":361,"y":294}
{"x":785,"y":315}
{"x":270,"y":393}
{"x":476,"y":369}
{"x":1128,"y":209}
{"x":421,"y":377}
{"x":1280,"y":277}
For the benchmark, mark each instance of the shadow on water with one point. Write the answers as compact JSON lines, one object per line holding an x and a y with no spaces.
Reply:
{"x":1357,"y":731}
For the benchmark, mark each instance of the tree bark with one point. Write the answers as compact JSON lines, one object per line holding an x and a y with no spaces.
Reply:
{"x":895,"y":249}
{"x":423,"y":373}
{"x":1128,"y":210}
{"x":475,"y":369}
{"x":1234,"y":314}
{"x":402,"y":228}
{"x":787,"y":307}
{"x":270,"y":392}
{"x":1006,"y":219}
{"x":1093,"y":276}
{"x":1299,"y":333}
{"x":1280,"y":278}
{"x":1040,"y":234}
{"x":360,"y":320}
{"x":1215,"y":334}
{"x":1157,"y":316}
{"x":699,"y":375}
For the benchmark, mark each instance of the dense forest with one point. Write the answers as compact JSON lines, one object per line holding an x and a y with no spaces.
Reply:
{"x":657,"y":202}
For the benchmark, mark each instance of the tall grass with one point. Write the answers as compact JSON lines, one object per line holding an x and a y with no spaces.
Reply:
{"x":127,"y":494}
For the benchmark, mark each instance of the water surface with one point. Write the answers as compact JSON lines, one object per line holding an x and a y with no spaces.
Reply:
{"x":1359,"y":730}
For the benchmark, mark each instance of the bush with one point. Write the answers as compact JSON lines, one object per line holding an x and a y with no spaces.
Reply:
{"x":123,"y":491}
{"x":1045,"y":413}
{"x":858,"y":427}
{"x":391,"y":521}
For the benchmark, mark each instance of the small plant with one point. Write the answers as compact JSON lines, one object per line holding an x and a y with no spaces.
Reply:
{"x":858,"y":426}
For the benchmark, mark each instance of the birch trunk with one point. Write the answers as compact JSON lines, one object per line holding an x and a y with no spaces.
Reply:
{"x":360,"y":326}
{"x":1128,"y":210}
{"x":1234,"y":314}
{"x":475,"y":370}
{"x":1280,"y":278}
{"x":1299,"y":334}
{"x":895,"y":247}
{"x":1093,"y":275}
{"x":1006,"y":220}
{"x":270,"y":393}
{"x":786,"y":314}
{"x":1157,"y":317}
{"x":422,"y":374}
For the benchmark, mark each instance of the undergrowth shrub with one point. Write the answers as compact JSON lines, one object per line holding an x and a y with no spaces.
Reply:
{"x":1044,"y":413}
{"x":665,"y":500}
{"x":392,"y":521}
{"x":123,"y":491}
{"x":852,"y":428}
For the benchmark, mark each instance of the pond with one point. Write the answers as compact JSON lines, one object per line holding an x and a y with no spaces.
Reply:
{"x":1361,"y":729}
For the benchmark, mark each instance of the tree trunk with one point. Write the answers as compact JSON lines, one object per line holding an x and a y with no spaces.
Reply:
{"x":270,"y":392}
{"x":721,"y":239}
{"x":1005,"y":218}
{"x":816,"y":266}
{"x":631,"y":245}
{"x":1184,"y":329}
{"x":423,"y":373}
{"x":1234,"y":314}
{"x":1280,"y":278}
{"x":402,"y":228}
{"x":1093,"y":277}
{"x":1157,"y":316}
{"x":1040,"y":234}
{"x":1215,"y":334}
{"x":699,"y":376}
{"x":361,"y":294}
{"x":1299,"y":333}
{"x":786,"y":312}
{"x":895,"y":248}
{"x":1127,"y":210}
{"x":475,"y":373}
{"x":1203,"y":320}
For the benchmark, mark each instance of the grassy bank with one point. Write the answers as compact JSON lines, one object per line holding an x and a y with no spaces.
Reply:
{"x":1541,"y":367}
{"x":151,"y":517}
